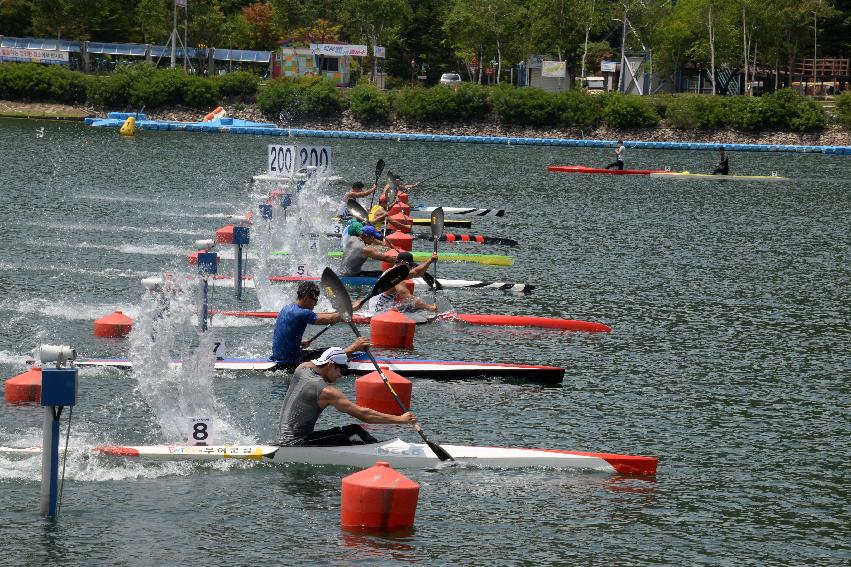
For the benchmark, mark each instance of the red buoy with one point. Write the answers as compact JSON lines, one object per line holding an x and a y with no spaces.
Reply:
{"x":404,"y":219}
{"x":402,"y":197}
{"x":115,"y":325}
{"x":225,"y":235}
{"x":400,"y":207}
{"x":378,"y":498}
{"x":371,"y":392}
{"x":392,"y":329}
{"x":25,"y":388}
{"x":401,"y":240}
{"x":385,"y":265}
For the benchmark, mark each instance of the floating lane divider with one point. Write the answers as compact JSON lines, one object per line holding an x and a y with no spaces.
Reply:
{"x":116,"y":119}
{"x":409,"y":367}
{"x":489,"y":259}
{"x":469,"y":318}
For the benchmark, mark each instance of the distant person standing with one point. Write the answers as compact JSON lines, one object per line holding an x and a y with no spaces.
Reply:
{"x":619,"y":155}
{"x":723,"y":167}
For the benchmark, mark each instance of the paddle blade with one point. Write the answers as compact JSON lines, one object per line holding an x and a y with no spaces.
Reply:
{"x":432,"y":283}
{"x":388,"y":279}
{"x":337,"y":294}
{"x":437,"y":223}
{"x":379,"y":167}
{"x":391,"y":198}
{"x":356,"y":210}
{"x":439,"y":451}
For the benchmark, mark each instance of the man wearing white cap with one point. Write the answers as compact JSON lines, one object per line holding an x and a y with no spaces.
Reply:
{"x":311,"y":390}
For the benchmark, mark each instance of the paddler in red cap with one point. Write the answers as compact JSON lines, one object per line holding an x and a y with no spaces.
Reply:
{"x":311,"y":390}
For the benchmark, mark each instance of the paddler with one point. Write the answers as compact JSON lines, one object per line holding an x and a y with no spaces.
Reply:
{"x":379,"y":214}
{"x":723,"y":167}
{"x":288,"y":348}
{"x":359,"y":248}
{"x":619,"y":156}
{"x":356,"y":192}
{"x":311,"y":390}
{"x":399,"y":296}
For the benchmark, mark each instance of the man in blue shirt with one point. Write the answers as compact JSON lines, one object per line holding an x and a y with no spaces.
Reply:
{"x":288,"y":348}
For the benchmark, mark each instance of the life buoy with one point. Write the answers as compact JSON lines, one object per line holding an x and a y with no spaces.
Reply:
{"x":217,"y":113}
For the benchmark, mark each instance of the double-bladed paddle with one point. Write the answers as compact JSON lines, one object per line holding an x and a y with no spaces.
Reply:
{"x":339,"y":297}
{"x":388,"y":279}
{"x":379,"y":167}
{"x":436,"y":233}
{"x":357,"y":211}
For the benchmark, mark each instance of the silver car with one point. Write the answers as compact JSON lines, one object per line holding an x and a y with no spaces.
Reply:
{"x":450,"y":79}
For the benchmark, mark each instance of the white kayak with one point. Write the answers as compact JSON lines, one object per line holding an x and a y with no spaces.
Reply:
{"x":460,"y":211}
{"x":687,"y":175}
{"x":419,"y":283}
{"x":396,"y":452}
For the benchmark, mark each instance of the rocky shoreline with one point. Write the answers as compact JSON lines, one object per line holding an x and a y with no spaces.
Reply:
{"x":833,"y":135}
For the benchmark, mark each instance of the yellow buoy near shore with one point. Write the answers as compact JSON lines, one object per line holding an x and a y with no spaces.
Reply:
{"x":129,"y":127}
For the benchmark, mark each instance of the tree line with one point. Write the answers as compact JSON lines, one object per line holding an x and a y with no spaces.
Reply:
{"x":752,"y":37}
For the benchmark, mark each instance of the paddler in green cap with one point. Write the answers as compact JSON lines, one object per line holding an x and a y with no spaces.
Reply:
{"x":360,"y":247}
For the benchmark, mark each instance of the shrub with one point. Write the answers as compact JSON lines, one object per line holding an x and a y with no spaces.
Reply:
{"x":620,"y":111}
{"x":528,"y":106}
{"x":161,"y":88}
{"x":240,"y":84}
{"x":473,"y":101}
{"x":287,"y":99}
{"x":369,"y":104}
{"x":577,"y":109}
{"x":843,"y":109}
{"x":50,"y":83}
{"x":781,"y":110}
{"x":320,"y":98}
{"x":198,"y":92}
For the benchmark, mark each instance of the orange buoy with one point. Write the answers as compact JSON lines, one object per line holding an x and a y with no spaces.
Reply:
{"x":371,"y":392}
{"x":378,"y":498}
{"x":25,"y":388}
{"x":400,"y":207}
{"x":225,"y":235}
{"x":401,"y":240}
{"x":402,"y":197}
{"x":392,"y":329}
{"x":217,"y":112}
{"x":385,"y":265}
{"x":404,"y":219}
{"x":116,"y":324}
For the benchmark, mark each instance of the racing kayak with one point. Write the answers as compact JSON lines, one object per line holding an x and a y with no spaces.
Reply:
{"x":583,"y":169}
{"x":398,"y":453}
{"x":458,"y":223}
{"x":420,"y":316}
{"x":686,"y":175}
{"x":460,"y":211}
{"x":227,"y":281}
{"x":489,"y":259}
{"x":472,"y":319}
{"x":408,"y":367}
{"x":477,"y":238}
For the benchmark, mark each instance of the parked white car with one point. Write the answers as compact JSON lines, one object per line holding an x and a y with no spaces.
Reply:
{"x":450,"y":79}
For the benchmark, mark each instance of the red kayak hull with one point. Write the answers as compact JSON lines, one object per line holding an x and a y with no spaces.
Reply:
{"x":583,"y":169}
{"x":528,"y":321}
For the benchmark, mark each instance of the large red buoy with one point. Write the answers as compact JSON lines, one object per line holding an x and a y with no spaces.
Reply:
{"x":402,"y":197}
{"x":371,"y":392}
{"x":401,"y":240}
{"x":400,"y":207}
{"x":25,"y":388}
{"x":225,"y":235}
{"x":385,"y":265}
{"x":392,"y":329}
{"x":378,"y":498}
{"x":404,"y":219}
{"x":116,"y":324}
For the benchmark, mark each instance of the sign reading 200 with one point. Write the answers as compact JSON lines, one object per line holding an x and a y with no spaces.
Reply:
{"x":285,"y":161}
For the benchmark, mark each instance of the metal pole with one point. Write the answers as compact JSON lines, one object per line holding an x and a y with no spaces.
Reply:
{"x":174,"y":36}
{"x":622,"y":81}
{"x":50,"y":462}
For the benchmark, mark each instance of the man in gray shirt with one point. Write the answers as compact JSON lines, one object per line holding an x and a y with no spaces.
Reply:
{"x":311,"y":390}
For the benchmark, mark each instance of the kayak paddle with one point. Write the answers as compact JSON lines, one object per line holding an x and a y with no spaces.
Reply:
{"x":436,"y":233}
{"x":339,"y":297}
{"x":356,"y":210}
{"x":387,"y":280}
{"x":379,"y":167}
{"x":430,"y":178}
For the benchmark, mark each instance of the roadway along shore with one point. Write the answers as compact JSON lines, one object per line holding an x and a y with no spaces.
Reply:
{"x":833,"y":135}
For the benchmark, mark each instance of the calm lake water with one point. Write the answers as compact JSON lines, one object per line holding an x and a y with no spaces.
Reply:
{"x":729,"y":358}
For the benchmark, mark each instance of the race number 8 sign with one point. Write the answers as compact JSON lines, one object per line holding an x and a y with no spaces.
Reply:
{"x":200,"y":431}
